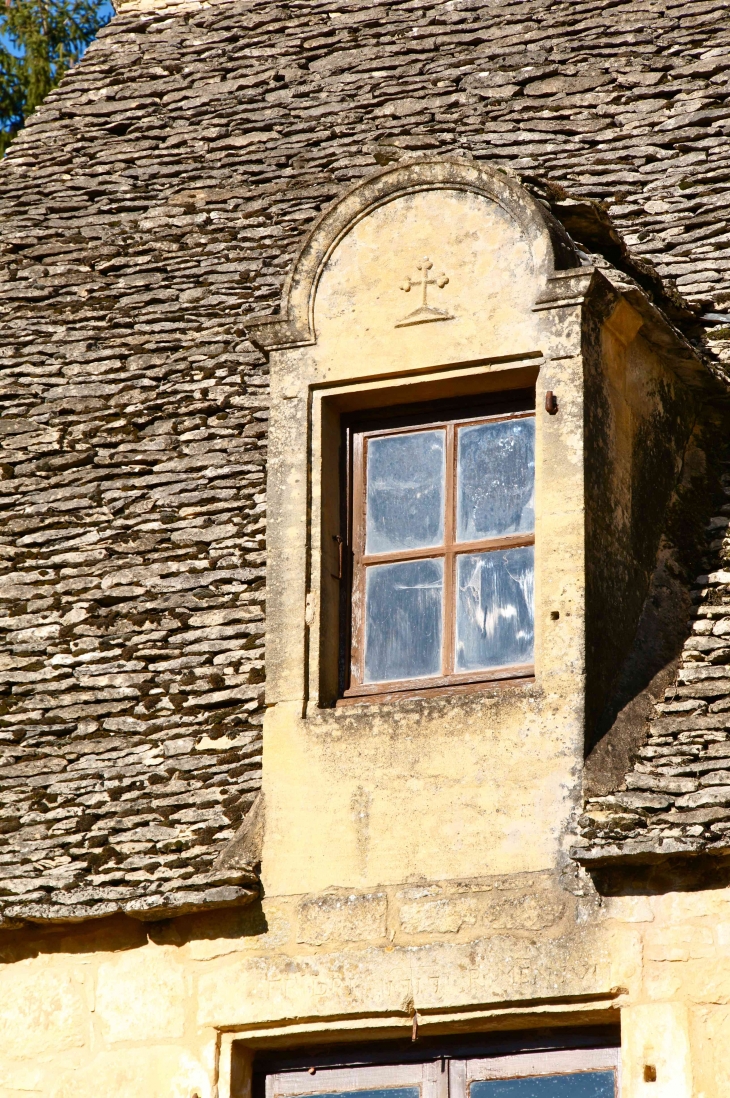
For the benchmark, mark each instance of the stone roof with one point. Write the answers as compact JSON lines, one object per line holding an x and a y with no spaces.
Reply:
{"x":153,"y":203}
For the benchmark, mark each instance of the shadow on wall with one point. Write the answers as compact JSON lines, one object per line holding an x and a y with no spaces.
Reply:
{"x":675,"y":874}
{"x":651,"y":665}
{"x":119,"y":932}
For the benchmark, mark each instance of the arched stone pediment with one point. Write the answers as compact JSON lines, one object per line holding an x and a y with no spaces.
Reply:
{"x":484,"y":245}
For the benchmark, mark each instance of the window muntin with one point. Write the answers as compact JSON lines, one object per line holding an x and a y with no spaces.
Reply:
{"x":443,"y":558}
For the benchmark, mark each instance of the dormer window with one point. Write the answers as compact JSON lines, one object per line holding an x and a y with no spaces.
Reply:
{"x":442,"y":533}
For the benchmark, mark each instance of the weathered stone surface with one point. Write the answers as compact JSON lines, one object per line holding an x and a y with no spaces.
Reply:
{"x":446,"y":910}
{"x":683,"y":766}
{"x":340,"y":917}
{"x":495,"y":968}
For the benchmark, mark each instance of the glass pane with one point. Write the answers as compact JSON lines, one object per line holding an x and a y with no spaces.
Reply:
{"x":403,"y":620}
{"x":494,"y":608}
{"x":584,"y":1084}
{"x":405,"y":491}
{"x":496,"y":480}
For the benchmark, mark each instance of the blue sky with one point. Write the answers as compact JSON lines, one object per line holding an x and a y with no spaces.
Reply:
{"x":105,"y":10}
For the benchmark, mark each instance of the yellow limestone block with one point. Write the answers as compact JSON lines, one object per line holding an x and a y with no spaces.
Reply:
{"x":655,"y":1054}
{"x":162,"y":1072}
{"x":43,"y":1010}
{"x":140,"y":996}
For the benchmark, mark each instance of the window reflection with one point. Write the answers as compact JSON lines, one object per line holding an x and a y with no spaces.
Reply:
{"x":496,"y":479}
{"x":403,"y":623}
{"x":405,"y":491}
{"x":494,"y":611}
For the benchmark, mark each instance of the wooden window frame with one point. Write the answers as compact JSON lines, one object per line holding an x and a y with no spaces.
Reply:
{"x":444,"y":1076}
{"x":530,"y":1064}
{"x":298,"y":1084}
{"x":450,"y":417}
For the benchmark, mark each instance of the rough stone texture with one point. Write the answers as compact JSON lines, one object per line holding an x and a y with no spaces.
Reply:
{"x":349,"y":917}
{"x":152,"y":204}
{"x":675,"y":799}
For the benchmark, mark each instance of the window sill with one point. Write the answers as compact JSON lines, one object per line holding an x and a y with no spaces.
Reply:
{"x":389,"y":692}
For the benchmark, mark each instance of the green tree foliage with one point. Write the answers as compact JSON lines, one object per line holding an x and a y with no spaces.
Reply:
{"x":39,"y":41}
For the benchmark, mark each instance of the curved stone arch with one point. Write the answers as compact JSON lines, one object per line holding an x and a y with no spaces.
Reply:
{"x":294,"y":325}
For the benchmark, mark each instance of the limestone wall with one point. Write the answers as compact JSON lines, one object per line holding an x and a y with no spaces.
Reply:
{"x":108,"y":1010}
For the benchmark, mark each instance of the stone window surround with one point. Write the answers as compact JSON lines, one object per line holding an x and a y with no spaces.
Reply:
{"x":301,"y":392}
{"x":328,"y":407}
{"x":288,"y":335}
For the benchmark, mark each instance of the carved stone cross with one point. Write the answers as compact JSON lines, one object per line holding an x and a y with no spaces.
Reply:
{"x":424,"y":314}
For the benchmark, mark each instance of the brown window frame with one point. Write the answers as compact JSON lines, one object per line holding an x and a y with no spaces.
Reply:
{"x":440,"y":1076}
{"x":501,"y":406}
